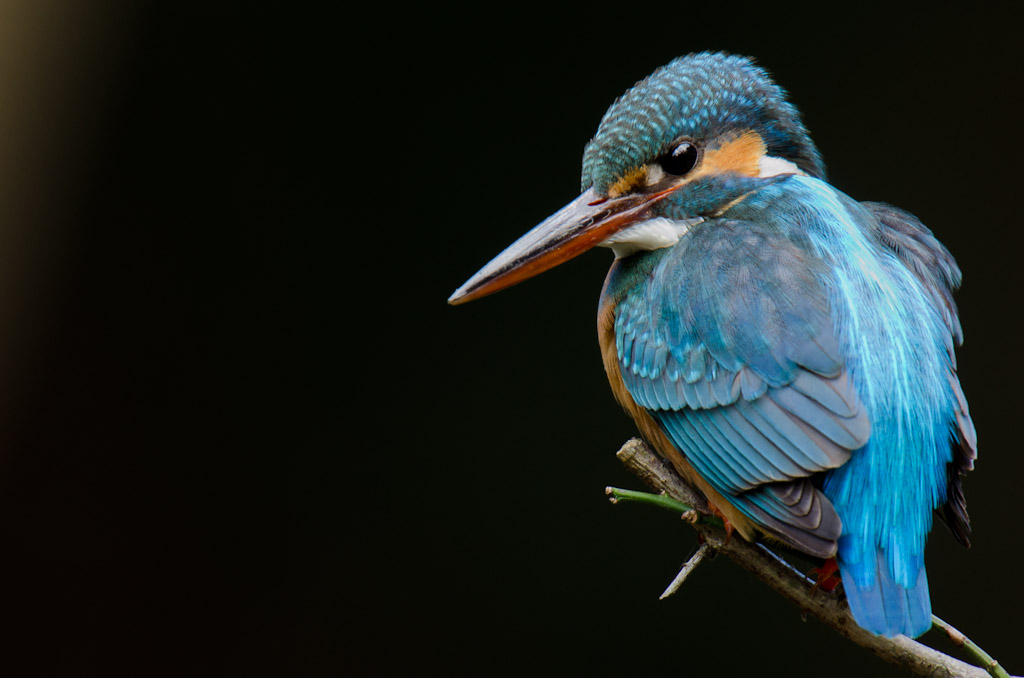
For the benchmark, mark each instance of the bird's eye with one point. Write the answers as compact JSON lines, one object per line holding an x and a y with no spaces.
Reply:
{"x":681,"y":160}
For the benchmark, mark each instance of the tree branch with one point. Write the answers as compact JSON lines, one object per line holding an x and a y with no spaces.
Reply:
{"x":829,"y":607}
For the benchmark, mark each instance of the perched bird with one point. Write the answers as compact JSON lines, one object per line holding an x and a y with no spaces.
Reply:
{"x":789,"y":349}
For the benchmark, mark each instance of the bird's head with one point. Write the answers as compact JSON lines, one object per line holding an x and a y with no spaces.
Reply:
{"x":684,"y":144}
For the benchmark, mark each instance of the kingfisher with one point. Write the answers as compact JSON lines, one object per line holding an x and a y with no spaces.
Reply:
{"x":788,"y":349}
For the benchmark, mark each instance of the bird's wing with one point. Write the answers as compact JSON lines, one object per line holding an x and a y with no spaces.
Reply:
{"x":913,"y":244}
{"x":731,"y":349}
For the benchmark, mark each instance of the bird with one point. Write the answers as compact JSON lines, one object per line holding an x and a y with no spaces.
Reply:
{"x":790,"y":350}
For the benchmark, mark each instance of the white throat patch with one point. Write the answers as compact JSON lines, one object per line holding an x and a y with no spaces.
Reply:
{"x":651,"y":234}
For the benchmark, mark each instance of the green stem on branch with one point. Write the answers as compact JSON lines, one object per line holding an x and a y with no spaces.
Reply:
{"x":979,"y":655}
{"x":616,"y":495}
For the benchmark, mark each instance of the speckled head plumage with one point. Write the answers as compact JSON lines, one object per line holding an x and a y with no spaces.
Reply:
{"x":699,"y":96}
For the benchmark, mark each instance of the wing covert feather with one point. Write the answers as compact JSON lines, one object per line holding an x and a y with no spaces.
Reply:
{"x":730,"y":347}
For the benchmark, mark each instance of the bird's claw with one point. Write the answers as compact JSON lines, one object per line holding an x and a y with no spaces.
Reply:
{"x":827,"y":576}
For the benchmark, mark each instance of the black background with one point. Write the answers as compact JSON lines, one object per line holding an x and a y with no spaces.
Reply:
{"x":244,"y":435}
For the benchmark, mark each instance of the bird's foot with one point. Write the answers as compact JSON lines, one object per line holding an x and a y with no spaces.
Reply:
{"x":725,"y":523}
{"x":827,"y":576}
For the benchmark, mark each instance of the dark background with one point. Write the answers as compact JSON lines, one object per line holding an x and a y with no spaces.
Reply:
{"x":242,"y":433}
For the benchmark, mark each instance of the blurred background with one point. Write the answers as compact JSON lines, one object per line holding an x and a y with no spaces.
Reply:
{"x":243,"y":434}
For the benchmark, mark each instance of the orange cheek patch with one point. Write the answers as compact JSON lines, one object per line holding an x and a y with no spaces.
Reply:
{"x":741,"y":155}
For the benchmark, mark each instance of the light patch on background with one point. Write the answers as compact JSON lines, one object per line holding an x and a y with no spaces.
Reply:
{"x":56,"y":62}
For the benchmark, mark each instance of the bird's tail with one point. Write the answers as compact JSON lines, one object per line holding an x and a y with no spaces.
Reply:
{"x":877,"y":600}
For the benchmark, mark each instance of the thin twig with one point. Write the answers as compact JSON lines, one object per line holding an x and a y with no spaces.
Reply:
{"x":829,"y":607}
{"x":688,"y":567}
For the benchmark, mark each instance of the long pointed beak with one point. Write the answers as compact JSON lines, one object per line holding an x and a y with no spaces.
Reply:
{"x":579,"y":226}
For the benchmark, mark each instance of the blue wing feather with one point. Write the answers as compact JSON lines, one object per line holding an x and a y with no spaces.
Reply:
{"x":800,"y":355}
{"x":734,"y":384}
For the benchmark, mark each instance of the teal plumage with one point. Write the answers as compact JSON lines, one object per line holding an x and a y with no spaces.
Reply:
{"x":794,"y":346}
{"x":791,"y":308}
{"x":698,"y":95}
